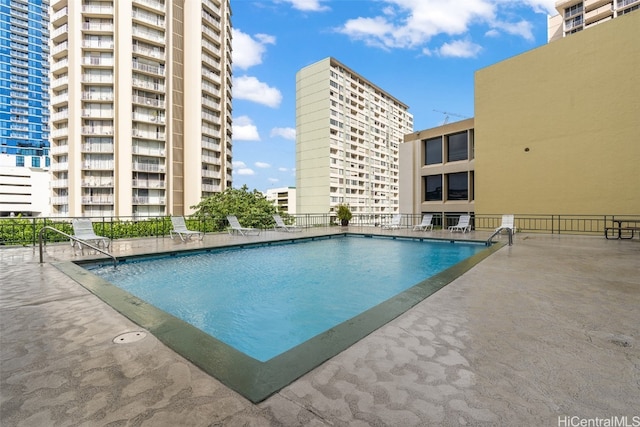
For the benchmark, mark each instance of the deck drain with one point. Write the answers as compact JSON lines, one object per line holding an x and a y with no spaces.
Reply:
{"x":129,"y":337}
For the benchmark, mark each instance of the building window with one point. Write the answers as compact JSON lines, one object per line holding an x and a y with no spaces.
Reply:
{"x":458,"y":186}
{"x":19,"y":160}
{"x":35,"y":162}
{"x":433,"y":187}
{"x":433,"y":151}
{"x":457,"y":147}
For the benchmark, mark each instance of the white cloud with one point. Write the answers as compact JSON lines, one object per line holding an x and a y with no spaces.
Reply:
{"x":286,"y":133}
{"x":274,"y":180}
{"x":248,"y":51}
{"x":460,"y":49}
{"x":244,"y":129}
{"x":244,"y":171}
{"x":410,"y":24}
{"x":262,"y":165}
{"x":252,"y":89}
{"x":283,"y":170}
{"x":238,"y":164}
{"x":307,"y":5}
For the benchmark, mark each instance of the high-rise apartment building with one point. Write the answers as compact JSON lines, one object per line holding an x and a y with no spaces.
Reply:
{"x":577,"y":15}
{"x":24,"y":83}
{"x":348,"y":133}
{"x":140,"y":105}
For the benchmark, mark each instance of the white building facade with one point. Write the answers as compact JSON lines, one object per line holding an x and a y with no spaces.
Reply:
{"x":577,"y":15}
{"x":140,"y":105}
{"x":348,"y":134}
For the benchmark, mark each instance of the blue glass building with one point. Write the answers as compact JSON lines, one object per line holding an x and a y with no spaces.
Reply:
{"x":24,"y":83}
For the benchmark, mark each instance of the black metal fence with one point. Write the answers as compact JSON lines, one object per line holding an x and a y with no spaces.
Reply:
{"x":24,"y":231}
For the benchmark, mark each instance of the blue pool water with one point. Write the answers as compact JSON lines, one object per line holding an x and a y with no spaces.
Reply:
{"x":265,"y":300}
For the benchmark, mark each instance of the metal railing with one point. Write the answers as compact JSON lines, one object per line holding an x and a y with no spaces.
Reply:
{"x":75,"y":239}
{"x":24,"y":231}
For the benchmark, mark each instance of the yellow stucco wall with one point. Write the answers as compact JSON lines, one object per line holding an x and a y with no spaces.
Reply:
{"x":558,"y":127}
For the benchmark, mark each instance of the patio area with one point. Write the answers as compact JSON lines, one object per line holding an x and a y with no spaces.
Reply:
{"x":539,"y":332}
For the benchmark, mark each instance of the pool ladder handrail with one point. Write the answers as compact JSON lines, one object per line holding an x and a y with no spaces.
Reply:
{"x":498,"y":231}
{"x":80,"y":241}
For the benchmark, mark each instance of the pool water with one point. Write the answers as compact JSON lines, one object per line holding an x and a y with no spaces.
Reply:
{"x":265,"y":300}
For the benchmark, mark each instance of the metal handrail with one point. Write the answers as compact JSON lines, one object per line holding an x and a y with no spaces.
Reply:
{"x":495,"y":233}
{"x":81,"y":242}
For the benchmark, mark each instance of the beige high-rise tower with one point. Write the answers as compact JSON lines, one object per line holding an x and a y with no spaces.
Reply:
{"x":348,"y":133}
{"x":140,"y":105}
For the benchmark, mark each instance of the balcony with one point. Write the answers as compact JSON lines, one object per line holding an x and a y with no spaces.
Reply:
{"x":589,"y":5}
{"x":97,"y":113}
{"x":146,"y":200}
{"x":60,"y":99}
{"x":106,"y":199}
{"x":60,"y":33}
{"x":152,"y":4}
{"x":59,"y":48}
{"x":98,"y":61}
{"x":106,"y":44}
{"x":59,"y":183}
{"x":147,"y":151}
{"x":150,"y":118}
{"x":148,"y":18}
{"x":148,"y":101}
{"x":60,"y":115}
{"x":147,"y":183}
{"x":148,"y":167}
{"x":97,"y":78}
{"x":206,"y":173}
{"x":97,"y":10}
{"x":60,"y":16}
{"x":149,"y":85}
{"x":147,"y":134}
{"x":150,"y":69}
{"x":59,"y":166}
{"x":60,"y":200}
{"x":210,"y":188}
{"x":598,"y":14}
{"x":60,"y":133}
{"x":97,"y":96}
{"x":97,"y":130}
{"x":60,"y":65}
{"x":97,"y":148}
{"x":153,"y":36}
{"x":156,"y":53}
{"x":97,"y":182}
{"x":98,"y":27}
{"x":98,"y":165}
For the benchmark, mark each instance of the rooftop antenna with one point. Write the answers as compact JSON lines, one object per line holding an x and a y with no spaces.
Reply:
{"x":447,"y":114}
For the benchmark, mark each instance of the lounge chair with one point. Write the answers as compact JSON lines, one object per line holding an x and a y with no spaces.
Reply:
{"x":426,"y":224}
{"x":180,"y":228}
{"x":236,"y":228}
{"x":83,"y":230}
{"x":395,"y":222}
{"x":508,"y":222}
{"x":280,"y":225}
{"x":462,"y":225}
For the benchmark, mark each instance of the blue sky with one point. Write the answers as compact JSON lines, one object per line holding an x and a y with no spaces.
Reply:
{"x":423,"y":52}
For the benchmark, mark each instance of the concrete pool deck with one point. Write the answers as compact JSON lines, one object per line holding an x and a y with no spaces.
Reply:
{"x":537,"y":333}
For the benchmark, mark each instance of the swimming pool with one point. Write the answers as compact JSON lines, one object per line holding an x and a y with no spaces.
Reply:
{"x":256,"y":340}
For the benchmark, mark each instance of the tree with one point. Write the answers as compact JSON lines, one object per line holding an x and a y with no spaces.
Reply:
{"x":251,"y":207}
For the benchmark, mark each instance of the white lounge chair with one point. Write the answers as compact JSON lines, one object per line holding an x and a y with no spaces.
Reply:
{"x":508,"y":222}
{"x":462,"y":225}
{"x":395,"y":222}
{"x":426,"y":224}
{"x":280,"y":225}
{"x":180,"y":228}
{"x":83,"y":230}
{"x":236,"y":228}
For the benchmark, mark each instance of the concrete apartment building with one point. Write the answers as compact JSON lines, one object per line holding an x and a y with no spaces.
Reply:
{"x":24,"y":108}
{"x":437,"y":170}
{"x":549,"y":136}
{"x":140,"y":105}
{"x":348,"y":136}
{"x":577,"y":15}
{"x":284,"y":198}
